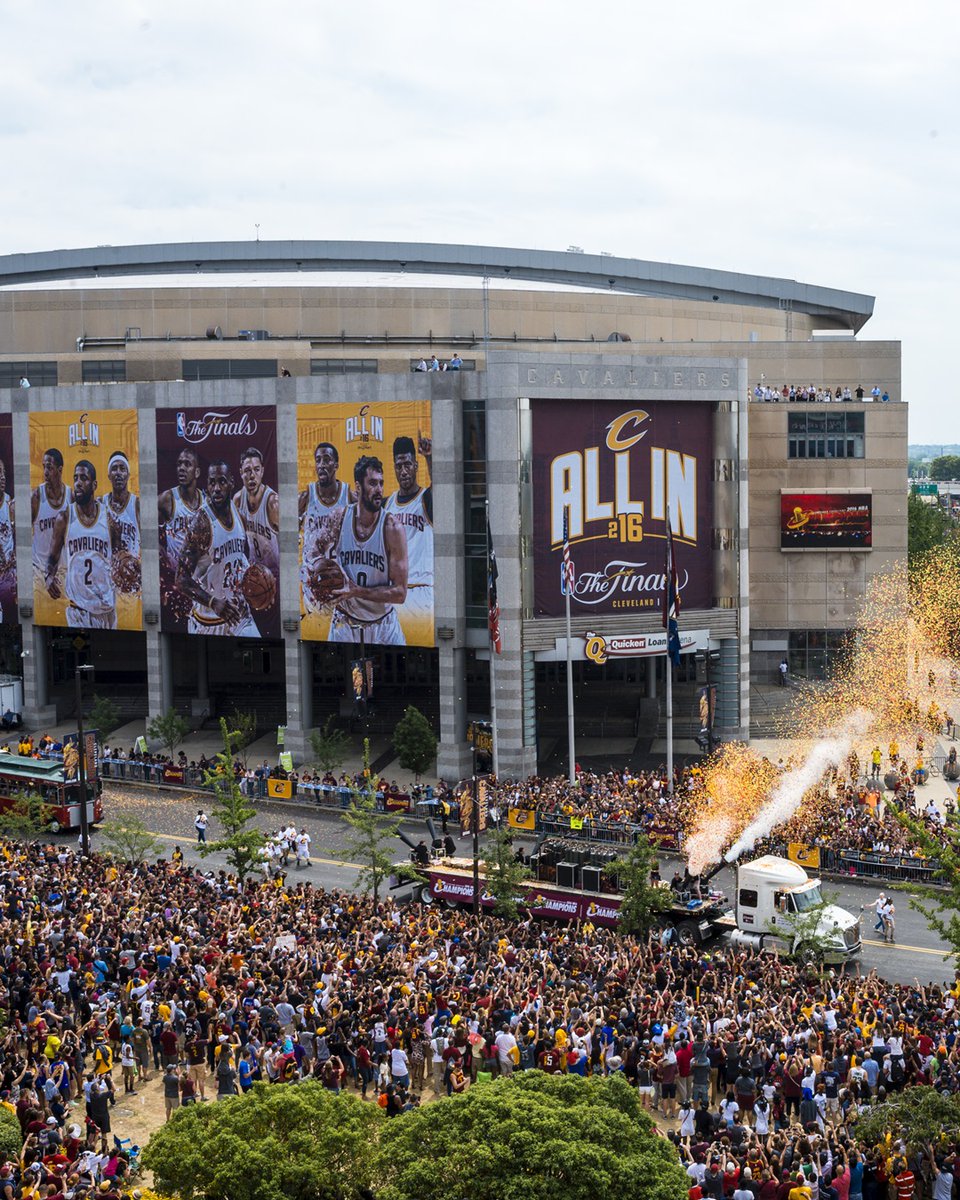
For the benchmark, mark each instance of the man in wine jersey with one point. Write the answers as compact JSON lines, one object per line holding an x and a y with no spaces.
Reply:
{"x":214,"y":560}
{"x":372,"y":552}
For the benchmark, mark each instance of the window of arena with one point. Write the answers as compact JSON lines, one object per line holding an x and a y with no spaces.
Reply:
{"x":229,"y":368}
{"x":104,"y":370}
{"x":343,"y":366}
{"x":825,"y":434}
{"x":815,"y":652}
{"x":40,"y":374}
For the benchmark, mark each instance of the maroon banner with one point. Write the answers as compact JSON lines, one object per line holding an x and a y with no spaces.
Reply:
{"x":396,"y":803}
{"x":613,"y":469}
{"x":540,"y":900}
{"x":8,"y":547}
{"x":826,"y":521}
{"x":173,"y":775}
{"x":219,"y":517}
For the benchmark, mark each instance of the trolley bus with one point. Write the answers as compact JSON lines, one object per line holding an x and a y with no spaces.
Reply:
{"x":58,"y":793}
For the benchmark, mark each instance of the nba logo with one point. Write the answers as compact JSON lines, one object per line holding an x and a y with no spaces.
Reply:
{"x":181,"y":424}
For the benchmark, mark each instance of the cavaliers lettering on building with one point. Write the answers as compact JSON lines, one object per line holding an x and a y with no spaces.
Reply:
{"x":612,"y":470}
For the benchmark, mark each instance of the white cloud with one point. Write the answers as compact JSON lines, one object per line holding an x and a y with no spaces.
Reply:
{"x":816,"y":142}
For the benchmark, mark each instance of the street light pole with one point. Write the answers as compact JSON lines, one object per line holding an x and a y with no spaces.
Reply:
{"x":475,"y":829}
{"x":81,"y":763}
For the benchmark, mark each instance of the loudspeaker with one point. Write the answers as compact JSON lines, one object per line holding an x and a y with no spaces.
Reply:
{"x":567,"y":874}
{"x":592,"y":878}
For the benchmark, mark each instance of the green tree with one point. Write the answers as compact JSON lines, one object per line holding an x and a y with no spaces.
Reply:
{"x":919,"y":1115}
{"x":128,"y":839}
{"x":808,"y":936}
{"x":940,"y":905}
{"x":169,"y":729}
{"x":414,"y":741}
{"x":242,"y":841}
{"x":373,"y":833}
{"x":642,"y":900}
{"x":531,"y":1137}
{"x":503,"y":875}
{"x":927,"y":526}
{"x":243,"y":731}
{"x":104,"y":715}
{"x":11,"y":1138}
{"x":947,"y":466}
{"x":329,"y":745}
{"x":26,"y":816}
{"x":275,"y":1143}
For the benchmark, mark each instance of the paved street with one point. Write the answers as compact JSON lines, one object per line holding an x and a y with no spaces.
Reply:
{"x":917,"y":954}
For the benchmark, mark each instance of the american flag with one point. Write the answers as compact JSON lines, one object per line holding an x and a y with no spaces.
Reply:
{"x":671,"y":601}
{"x":493,"y":604}
{"x":566,"y":571}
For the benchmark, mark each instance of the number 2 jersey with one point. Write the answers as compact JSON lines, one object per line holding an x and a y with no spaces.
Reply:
{"x":88,"y":552}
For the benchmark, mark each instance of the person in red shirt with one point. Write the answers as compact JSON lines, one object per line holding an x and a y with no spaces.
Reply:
{"x":684,"y":1054}
{"x":904,"y":1179}
{"x":551,"y":1060}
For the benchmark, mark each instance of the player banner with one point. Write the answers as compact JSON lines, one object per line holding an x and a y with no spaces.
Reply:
{"x":85,"y":513}
{"x":366,"y":523}
{"x":8,"y":543}
{"x":613,"y":469}
{"x":219,"y":518}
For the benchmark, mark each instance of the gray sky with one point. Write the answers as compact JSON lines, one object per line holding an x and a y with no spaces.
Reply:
{"x":817,"y":141}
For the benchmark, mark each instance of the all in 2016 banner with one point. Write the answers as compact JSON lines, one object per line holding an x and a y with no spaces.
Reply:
{"x":219,"y":520}
{"x":85,"y":513}
{"x":612,"y":470}
{"x":8,"y":541}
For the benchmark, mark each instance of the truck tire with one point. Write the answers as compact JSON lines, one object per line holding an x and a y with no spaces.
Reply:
{"x":451,"y":903}
{"x":687,"y":934}
{"x":426,"y":895}
{"x":808,"y":956}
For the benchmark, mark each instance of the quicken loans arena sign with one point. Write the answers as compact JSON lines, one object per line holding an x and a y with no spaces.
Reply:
{"x":612,"y":469}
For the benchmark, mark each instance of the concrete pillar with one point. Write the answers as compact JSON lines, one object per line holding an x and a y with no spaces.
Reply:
{"x":651,"y":665}
{"x":37,"y":709}
{"x":306,"y":685}
{"x":159,"y":682}
{"x":453,"y":753}
{"x":295,"y":739}
{"x":201,"y":702}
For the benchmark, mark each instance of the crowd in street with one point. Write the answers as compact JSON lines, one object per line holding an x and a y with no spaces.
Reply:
{"x":112,"y":976}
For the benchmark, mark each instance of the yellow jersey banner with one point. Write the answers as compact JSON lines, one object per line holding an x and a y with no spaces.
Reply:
{"x":366,"y":523}
{"x":85,"y":512}
{"x":519,"y":818}
{"x":279,"y":789}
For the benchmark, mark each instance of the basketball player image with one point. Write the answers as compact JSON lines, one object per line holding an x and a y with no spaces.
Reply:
{"x":177,"y":507}
{"x":320,"y":510}
{"x":8,"y":553}
{"x":47,"y":502}
{"x":372,"y":553}
{"x":87,"y":538}
{"x":214,"y":562}
{"x":122,"y":504}
{"x":411,"y":506}
{"x":259,"y":509}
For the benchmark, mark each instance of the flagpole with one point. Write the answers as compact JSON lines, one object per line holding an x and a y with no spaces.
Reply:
{"x":570,"y":735}
{"x":668,"y":663}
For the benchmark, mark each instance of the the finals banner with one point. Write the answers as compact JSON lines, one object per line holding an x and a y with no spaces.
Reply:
{"x":8,"y":548}
{"x":366,"y":523}
{"x":85,"y":514}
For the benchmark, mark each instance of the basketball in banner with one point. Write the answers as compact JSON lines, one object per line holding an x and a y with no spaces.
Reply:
{"x":366,"y":523}
{"x":8,"y":545}
{"x":219,"y":518}
{"x":85,"y":513}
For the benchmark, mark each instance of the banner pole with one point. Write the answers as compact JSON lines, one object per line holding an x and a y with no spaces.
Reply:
{"x":570,"y":730}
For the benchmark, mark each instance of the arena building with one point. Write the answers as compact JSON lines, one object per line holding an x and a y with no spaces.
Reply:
{"x":241,"y":468}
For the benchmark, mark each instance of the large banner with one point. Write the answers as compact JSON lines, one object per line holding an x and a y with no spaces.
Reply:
{"x":219,"y":518}
{"x":612,"y":469}
{"x":8,"y":524}
{"x":85,"y":512}
{"x":826,"y":521}
{"x":366,"y":523}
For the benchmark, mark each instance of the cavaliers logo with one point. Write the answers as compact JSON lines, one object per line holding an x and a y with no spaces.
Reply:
{"x":623,"y":431}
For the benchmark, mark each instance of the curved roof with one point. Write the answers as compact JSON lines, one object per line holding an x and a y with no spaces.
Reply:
{"x":849,"y":310}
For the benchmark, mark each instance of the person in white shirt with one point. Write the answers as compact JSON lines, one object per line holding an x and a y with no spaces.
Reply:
{"x":303,"y":848}
{"x":400,"y":1066}
{"x":506,"y":1043}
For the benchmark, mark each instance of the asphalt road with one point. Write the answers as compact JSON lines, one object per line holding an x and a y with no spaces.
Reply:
{"x":918,"y":953}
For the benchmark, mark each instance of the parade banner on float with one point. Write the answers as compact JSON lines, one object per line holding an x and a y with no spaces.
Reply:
{"x":612,"y":470}
{"x":366,"y":523}
{"x":826,"y":521}
{"x":8,"y":540}
{"x":85,"y":516}
{"x":219,"y":521}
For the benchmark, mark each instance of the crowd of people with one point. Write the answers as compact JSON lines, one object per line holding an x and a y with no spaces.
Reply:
{"x":820,"y":395}
{"x":198,"y":986}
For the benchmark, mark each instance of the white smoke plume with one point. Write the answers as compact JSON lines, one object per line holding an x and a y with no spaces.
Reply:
{"x":789,"y":792}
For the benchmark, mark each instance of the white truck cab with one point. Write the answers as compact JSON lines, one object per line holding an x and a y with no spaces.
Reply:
{"x":773,"y":894}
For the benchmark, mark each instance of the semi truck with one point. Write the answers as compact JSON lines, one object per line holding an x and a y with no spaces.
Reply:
{"x":776,"y":906}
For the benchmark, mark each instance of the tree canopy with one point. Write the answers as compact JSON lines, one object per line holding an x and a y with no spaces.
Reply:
{"x":946,"y":466}
{"x":531,"y":1137}
{"x":919,"y":1115}
{"x":276,"y":1143}
{"x":927,"y":526}
{"x":414,"y":741}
